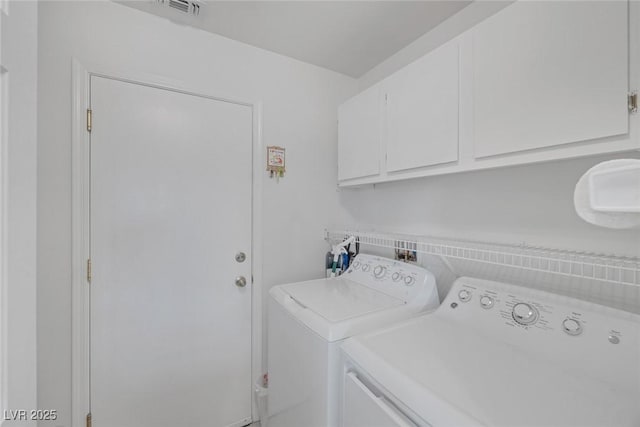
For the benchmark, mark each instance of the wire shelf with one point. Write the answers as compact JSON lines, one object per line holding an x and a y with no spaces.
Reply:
{"x":581,"y":265}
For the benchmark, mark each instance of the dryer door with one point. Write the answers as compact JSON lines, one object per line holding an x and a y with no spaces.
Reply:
{"x":364,"y":408}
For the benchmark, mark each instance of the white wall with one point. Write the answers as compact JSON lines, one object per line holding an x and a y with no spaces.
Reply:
{"x":532,"y":204}
{"x":19,"y":59}
{"x":299,"y":113}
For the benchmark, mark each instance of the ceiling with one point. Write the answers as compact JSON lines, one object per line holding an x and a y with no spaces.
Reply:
{"x":349,"y":37}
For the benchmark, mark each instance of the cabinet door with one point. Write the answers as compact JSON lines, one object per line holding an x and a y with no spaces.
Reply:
{"x":422,"y":111}
{"x":359,"y":122}
{"x":547,"y":73}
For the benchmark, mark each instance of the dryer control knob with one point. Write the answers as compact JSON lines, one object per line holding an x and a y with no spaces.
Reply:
{"x":366,"y":267}
{"x":572,"y":326}
{"x":524,"y":314}
{"x":395,"y":276}
{"x":409,"y":281}
{"x":464,"y":295}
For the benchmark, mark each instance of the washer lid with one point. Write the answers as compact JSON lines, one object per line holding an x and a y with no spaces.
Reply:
{"x":339,"y":300}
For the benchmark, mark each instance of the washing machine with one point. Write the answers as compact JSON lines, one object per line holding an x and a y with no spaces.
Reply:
{"x":496,"y":354}
{"x":309,"y":320}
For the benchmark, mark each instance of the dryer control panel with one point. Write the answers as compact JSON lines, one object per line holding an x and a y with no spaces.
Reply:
{"x":553,"y":328}
{"x":538,"y":317}
{"x":411,"y":283}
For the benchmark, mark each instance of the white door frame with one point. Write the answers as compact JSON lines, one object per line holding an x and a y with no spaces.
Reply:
{"x":80,"y":351}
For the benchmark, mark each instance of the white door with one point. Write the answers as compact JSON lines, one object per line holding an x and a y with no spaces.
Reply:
{"x":547,"y":73}
{"x":422,"y":111}
{"x":170,"y":208}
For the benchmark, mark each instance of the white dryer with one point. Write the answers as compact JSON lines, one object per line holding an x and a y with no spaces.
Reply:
{"x":495,"y":354}
{"x":309,"y":320}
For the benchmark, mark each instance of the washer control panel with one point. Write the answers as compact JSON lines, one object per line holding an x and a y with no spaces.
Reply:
{"x":487,"y":304}
{"x":394,"y":278}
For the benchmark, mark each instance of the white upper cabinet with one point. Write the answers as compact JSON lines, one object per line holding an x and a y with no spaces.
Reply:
{"x":359,"y":133}
{"x":547,"y":73}
{"x":422,"y":111}
{"x":537,"y":81}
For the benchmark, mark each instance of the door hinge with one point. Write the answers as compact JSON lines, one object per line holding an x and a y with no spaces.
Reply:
{"x":89,"y":119}
{"x":89,"y":273}
{"x":633,"y":102}
{"x":89,"y":419}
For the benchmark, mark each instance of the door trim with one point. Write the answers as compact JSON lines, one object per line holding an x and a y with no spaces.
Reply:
{"x":80,"y":176}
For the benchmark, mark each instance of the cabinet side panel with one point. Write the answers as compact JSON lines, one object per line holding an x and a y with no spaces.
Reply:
{"x":359,"y":135}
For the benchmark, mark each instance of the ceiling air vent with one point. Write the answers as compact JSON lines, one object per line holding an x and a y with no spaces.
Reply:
{"x":189,"y":7}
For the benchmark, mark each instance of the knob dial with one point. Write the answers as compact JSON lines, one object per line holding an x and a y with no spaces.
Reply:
{"x":379,"y":271}
{"x":366,"y":267}
{"x":395,"y":276}
{"x":464,"y":295}
{"x":572,"y":326}
{"x":486,"y":301}
{"x":524,"y":314}
{"x":356,"y":264}
{"x":409,"y":280}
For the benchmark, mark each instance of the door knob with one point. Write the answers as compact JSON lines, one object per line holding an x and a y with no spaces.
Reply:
{"x":241,"y":282}
{"x":241,"y":256}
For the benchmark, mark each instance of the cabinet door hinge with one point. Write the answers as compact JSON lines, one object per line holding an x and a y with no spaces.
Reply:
{"x":633,"y":102}
{"x":89,"y":273}
{"x":89,"y":119}
{"x":89,"y":419}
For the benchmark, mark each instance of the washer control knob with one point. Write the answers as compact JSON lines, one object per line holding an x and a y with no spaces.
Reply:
{"x":524,"y":314}
{"x":366,"y":267}
{"x":464,"y":295}
{"x":486,"y":301}
{"x":379,"y":271}
{"x":572,"y":326}
{"x":409,"y":280}
{"x":356,"y":264}
{"x":395,"y":276}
